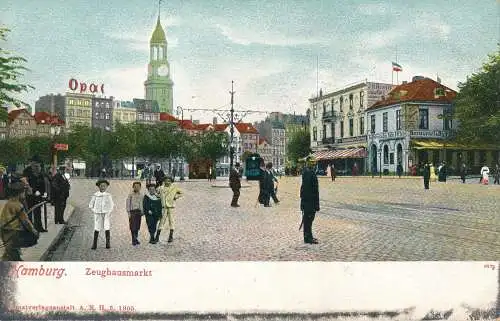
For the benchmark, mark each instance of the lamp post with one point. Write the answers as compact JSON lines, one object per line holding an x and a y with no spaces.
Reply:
{"x":231,"y":123}
{"x":181,"y":112}
{"x":54,"y":131}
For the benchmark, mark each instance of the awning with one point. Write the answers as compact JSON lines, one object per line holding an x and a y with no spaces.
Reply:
{"x":434,"y":144}
{"x":341,"y":153}
{"x":129,"y":167}
{"x":78,"y":165}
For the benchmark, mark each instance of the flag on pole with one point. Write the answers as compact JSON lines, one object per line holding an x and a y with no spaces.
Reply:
{"x":396,"y":67}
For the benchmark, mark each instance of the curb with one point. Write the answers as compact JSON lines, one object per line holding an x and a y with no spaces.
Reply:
{"x":55,"y":240}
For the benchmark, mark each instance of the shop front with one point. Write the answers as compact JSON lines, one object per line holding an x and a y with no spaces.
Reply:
{"x":350,"y":161}
{"x":454,"y":154}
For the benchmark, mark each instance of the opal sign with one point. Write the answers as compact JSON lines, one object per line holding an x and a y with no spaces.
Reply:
{"x":84,"y":87}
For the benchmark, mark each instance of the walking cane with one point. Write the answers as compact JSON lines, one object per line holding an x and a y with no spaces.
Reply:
{"x":27,"y":214}
{"x":302,"y":221}
{"x":45,"y":213}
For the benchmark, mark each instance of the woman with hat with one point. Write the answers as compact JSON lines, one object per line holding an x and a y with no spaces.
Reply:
{"x":13,"y":221}
{"x":101,"y":205}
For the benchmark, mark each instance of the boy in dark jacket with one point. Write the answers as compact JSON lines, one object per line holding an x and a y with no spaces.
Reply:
{"x":152,"y":210}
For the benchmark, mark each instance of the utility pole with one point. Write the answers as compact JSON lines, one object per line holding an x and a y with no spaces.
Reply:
{"x":231,"y":148}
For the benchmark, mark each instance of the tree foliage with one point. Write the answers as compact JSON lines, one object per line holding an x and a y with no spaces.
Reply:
{"x":477,"y":105}
{"x":11,"y":69}
{"x":299,"y":145}
{"x":213,"y":145}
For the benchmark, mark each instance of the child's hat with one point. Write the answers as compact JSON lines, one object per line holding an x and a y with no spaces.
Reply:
{"x":99,"y":182}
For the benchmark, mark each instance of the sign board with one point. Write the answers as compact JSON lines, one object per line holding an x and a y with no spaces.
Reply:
{"x":61,"y":146}
{"x":93,"y":88}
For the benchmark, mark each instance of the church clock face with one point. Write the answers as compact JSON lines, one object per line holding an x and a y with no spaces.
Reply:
{"x":163,"y":70}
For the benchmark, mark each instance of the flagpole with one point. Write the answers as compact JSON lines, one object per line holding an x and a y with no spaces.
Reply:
{"x":397,"y":72}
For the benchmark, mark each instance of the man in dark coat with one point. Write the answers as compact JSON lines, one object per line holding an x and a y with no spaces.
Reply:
{"x":266,"y":184}
{"x":443,"y":172}
{"x":309,"y":200}
{"x":59,"y":194}
{"x":235,"y":184}
{"x":272,"y":190}
{"x":463,"y":172}
{"x":39,"y":185}
{"x":159,"y":176}
{"x":427,"y":175}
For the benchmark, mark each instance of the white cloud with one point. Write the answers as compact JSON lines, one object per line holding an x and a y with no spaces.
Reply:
{"x":122,"y":83}
{"x":247,"y":37}
{"x":431,"y":25}
{"x":375,"y":40}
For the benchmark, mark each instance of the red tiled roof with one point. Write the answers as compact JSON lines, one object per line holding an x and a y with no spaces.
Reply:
{"x":246,"y":128}
{"x":186,"y":124}
{"x":418,"y":90}
{"x":167,"y":117}
{"x":203,"y":126}
{"x":42,"y":117}
{"x":220,"y":127}
{"x":16,"y":112}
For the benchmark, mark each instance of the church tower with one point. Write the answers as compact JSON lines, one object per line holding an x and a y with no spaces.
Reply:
{"x":158,"y":86}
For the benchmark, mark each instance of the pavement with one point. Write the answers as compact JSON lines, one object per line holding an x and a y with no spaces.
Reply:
{"x":361,"y":219}
{"x":47,"y":240}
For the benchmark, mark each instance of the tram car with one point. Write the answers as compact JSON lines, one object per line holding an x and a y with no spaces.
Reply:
{"x":252,"y":167}
{"x":199,"y":169}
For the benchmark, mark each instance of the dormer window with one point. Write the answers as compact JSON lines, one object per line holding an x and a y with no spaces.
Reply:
{"x":439,"y":92}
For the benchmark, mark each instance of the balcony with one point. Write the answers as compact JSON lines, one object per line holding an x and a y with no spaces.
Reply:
{"x":328,"y":140}
{"x":329,"y":116}
{"x":350,"y":140}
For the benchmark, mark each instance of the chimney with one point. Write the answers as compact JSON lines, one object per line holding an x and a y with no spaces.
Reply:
{"x":404,"y":82}
{"x":215,"y":120}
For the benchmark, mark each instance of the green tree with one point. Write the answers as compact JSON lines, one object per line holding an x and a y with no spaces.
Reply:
{"x":477,"y":105}
{"x":40,"y":146}
{"x":15,"y":151}
{"x":213,"y":145}
{"x":11,"y":69}
{"x":4,"y":114}
{"x":299,"y":145}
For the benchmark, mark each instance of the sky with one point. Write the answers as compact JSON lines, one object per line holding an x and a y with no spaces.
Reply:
{"x":277,"y":52}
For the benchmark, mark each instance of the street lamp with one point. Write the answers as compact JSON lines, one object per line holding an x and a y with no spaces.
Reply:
{"x":55,"y":130}
{"x":181,"y":112}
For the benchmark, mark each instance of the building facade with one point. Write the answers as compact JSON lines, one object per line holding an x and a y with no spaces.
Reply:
{"x":52,"y":104}
{"x":78,"y":109}
{"x":21,"y":124}
{"x":249,"y":137}
{"x":124,"y":112}
{"x":266,"y":151}
{"x":4,"y":129}
{"x":102,"y":113}
{"x":159,"y":86}
{"x":278,"y":147}
{"x":338,"y":122}
{"x":410,"y":118}
{"x":47,"y":122}
{"x":148,"y":111}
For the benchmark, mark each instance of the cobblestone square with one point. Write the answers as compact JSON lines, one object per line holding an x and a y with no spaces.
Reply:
{"x":361,"y":219}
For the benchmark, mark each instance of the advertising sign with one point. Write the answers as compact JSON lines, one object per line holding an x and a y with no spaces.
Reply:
{"x":84,"y":87}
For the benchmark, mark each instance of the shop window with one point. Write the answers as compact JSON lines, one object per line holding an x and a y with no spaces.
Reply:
{"x":386,"y":154}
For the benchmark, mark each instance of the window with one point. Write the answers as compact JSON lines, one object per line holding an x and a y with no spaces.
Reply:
{"x":398,"y":119}
{"x":333,"y":103}
{"x":324,"y":107}
{"x":324,"y":131}
{"x":423,"y":116}
{"x":315,"y":111}
{"x":341,"y":129}
{"x":361,"y":98}
{"x":391,"y":158}
{"x":341,"y":101}
{"x":362,"y":125}
{"x":351,"y":127}
{"x":96,"y":115}
{"x":332,"y":128}
{"x":315,"y":134}
{"x":372,"y":124}
{"x":351,"y":103}
{"x":386,"y":154}
{"x":384,"y":122}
